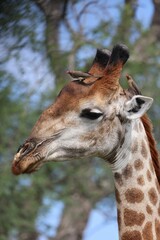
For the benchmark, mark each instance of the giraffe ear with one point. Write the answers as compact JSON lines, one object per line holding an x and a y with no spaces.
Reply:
{"x":137,"y":106}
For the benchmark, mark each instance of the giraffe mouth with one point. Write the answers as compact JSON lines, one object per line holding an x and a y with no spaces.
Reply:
{"x":26,"y":165}
{"x":22,"y":168}
{"x":27,"y":159}
{"x":30,"y":156}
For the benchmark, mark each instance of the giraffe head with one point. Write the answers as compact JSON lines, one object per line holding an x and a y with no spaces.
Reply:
{"x":88,"y":117}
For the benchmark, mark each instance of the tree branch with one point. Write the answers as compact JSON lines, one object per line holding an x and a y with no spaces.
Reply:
{"x":155,"y":23}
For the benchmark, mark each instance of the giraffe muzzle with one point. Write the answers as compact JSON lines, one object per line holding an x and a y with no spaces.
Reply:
{"x":26,"y":148}
{"x":19,"y":160}
{"x":30,"y":155}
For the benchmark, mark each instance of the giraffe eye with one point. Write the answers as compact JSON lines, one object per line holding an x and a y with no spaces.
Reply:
{"x":91,"y":114}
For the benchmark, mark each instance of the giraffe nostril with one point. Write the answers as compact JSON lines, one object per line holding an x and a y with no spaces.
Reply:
{"x":26,"y":148}
{"x":20,"y":147}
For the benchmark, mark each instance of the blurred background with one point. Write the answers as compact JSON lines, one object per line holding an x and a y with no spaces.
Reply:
{"x":39,"y":41}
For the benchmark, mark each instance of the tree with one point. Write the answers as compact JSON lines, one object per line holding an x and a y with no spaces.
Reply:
{"x":17,"y":116}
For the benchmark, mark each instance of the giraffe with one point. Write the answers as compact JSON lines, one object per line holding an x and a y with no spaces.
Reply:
{"x":94,"y":116}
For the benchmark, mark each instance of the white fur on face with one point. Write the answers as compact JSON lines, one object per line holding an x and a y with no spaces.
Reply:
{"x":83,"y":137}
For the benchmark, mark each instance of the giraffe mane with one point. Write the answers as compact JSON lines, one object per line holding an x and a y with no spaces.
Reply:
{"x":152,"y":144}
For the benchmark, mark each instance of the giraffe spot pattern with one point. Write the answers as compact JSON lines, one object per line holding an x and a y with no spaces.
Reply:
{"x":157,"y":229}
{"x":134,"y":195}
{"x":118,"y":178}
{"x":134,"y":147}
{"x":138,"y":164}
{"x":149,"y":209}
{"x":127,"y":171}
{"x":132,"y":235}
{"x":144,"y":149}
{"x":153,"y":196}
{"x":140,"y":180}
{"x":132,"y":218}
{"x":147,"y":231}
{"x":149,"y":177}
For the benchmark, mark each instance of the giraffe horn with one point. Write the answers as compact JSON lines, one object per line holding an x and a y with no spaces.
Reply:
{"x":100,"y":61}
{"x":118,"y":58}
{"x":97,"y":68}
{"x":120,"y":54}
{"x":99,"y":64}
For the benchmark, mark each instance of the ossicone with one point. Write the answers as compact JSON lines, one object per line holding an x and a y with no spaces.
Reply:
{"x":120,"y":53}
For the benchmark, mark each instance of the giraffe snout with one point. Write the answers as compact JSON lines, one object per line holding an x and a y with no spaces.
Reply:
{"x":26,"y":148}
{"x":28,"y":157}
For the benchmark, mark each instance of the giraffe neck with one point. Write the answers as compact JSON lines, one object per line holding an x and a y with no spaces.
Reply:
{"x":137,"y":188}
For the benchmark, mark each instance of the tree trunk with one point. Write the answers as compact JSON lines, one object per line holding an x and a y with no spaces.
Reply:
{"x":74,"y":219}
{"x":145,"y":45}
{"x":54,"y":12}
{"x":83,"y":196}
{"x":77,"y":211}
{"x":155,"y":23}
{"x":124,"y":28}
{"x":28,"y":235}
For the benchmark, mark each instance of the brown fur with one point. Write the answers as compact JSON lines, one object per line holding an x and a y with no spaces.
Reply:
{"x":149,"y":209}
{"x":147,"y":231}
{"x":140,"y":180}
{"x":132,"y":235}
{"x":152,"y":144}
{"x":127,"y":172}
{"x":134,"y":195}
{"x":132,"y":217}
{"x":153,"y":197}
{"x":118,"y":178}
{"x":138,"y":164}
{"x":149,"y":176}
{"x":157,"y":228}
